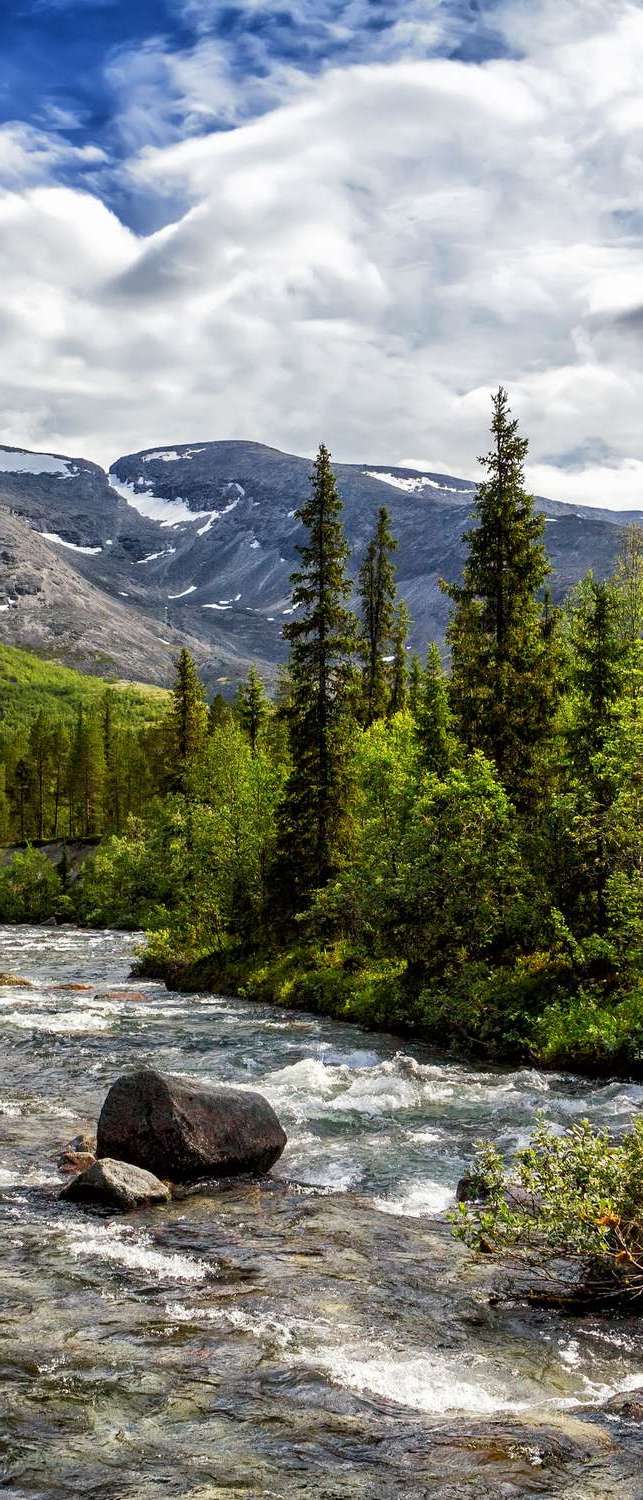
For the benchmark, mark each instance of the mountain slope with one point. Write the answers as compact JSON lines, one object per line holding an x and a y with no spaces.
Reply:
{"x":197,"y":543}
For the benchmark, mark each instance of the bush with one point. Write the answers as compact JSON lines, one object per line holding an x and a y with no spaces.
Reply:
{"x":581,"y":1194}
{"x":30,"y":889}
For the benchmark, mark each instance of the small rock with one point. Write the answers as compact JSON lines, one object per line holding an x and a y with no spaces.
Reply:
{"x":117,"y":1185}
{"x":82,"y":1142}
{"x":75,"y":1161}
{"x":14,"y":979}
{"x":73,"y":987}
{"x":123,"y":995}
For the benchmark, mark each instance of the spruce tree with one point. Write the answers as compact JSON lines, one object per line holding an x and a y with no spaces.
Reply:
{"x":252,"y":707}
{"x":315,"y":810}
{"x":600,"y":654}
{"x":399,"y":676}
{"x":434,"y":717}
{"x":378,"y":596}
{"x":87,"y":776}
{"x":501,"y":690}
{"x":415,"y":684}
{"x":219,"y":713}
{"x":186,"y":723}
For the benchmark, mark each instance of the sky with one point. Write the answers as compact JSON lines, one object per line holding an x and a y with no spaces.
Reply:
{"x":337,"y":220}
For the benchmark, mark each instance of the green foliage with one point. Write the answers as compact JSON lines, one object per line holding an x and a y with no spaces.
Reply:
{"x":580,"y":1193}
{"x":186,"y":723}
{"x":30,"y":889}
{"x":434,"y":718}
{"x":378,"y":621}
{"x":30,"y":685}
{"x":399,"y":694}
{"x":314,"y":814}
{"x":252,"y":707}
{"x":503,"y":691}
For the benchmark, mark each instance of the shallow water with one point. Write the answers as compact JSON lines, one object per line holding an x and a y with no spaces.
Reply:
{"x":320,"y":1335}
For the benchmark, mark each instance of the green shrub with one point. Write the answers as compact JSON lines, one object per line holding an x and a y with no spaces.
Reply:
{"x":581,"y":1195}
{"x":30,"y":889}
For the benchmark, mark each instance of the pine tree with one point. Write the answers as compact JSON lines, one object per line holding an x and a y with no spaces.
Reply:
{"x":40,"y":758}
{"x":219,"y":713}
{"x":252,"y":707}
{"x":186,"y":723}
{"x":378,"y":597}
{"x":434,"y":717}
{"x":415,"y":684}
{"x":501,"y":691}
{"x":314,"y":813}
{"x":22,"y":790}
{"x":399,"y":693}
{"x":598,"y":673}
{"x":87,"y":776}
{"x":113,"y":787}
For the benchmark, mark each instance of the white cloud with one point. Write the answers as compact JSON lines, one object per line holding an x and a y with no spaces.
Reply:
{"x":363,"y":263}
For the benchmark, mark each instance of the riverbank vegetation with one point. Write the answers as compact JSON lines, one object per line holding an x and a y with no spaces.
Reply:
{"x":578,"y":1194}
{"x":447,"y":848}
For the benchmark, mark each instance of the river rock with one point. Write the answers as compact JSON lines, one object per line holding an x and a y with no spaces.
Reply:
{"x":75,"y":1161}
{"x":116,"y":1184}
{"x":184,"y":1130}
{"x":16,"y":981}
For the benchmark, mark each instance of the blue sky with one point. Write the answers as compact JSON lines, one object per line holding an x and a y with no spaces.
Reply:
{"x":67,"y":64}
{"x":347,"y":219}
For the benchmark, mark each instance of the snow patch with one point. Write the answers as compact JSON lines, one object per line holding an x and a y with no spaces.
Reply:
{"x":155,"y":507}
{"x":216,"y":606}
{"x":18,"y":461}
{"x":415,"y":486}
{"x":169,"y":455}
{"x":153,"y":555}
{"x":52,"y":536}
{"x":190,"y":590}
{"x":255,"y":543}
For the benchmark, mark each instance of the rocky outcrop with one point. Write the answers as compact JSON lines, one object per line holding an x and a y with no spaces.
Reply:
{"x":186,"y":1130}
{"x":116,"y":1185}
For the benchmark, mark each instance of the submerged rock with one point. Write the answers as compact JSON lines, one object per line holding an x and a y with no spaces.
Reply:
{"x":116,"y":1184}
{"x":185,"y":1130}
{"x":16,"y":980}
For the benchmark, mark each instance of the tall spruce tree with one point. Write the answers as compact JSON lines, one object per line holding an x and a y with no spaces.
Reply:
{"x":252,"y":707}
{"x":399,"y":675}
{"x":186,"y":723}
{"x":377,"y":597}
{"x":314,"y":813}
{"x":501,"y":688}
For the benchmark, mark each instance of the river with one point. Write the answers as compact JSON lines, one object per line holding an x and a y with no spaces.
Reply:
{"x":321,"y":1336}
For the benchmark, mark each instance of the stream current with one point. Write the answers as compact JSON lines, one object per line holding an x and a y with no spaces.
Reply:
{"x":319,"y":1334}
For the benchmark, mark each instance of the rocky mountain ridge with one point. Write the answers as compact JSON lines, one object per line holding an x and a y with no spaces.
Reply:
{"x":197,"y":542}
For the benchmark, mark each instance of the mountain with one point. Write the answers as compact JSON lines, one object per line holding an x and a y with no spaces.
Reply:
{"x":196,"y":544}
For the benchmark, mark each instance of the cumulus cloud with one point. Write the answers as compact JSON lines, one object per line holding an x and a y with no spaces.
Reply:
{"x":362,"y":262}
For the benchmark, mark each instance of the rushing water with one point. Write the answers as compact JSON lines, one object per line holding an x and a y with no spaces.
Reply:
{"x":321,"y":1336}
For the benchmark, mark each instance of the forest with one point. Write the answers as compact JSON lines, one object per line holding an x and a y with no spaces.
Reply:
{"x":448,"y":848}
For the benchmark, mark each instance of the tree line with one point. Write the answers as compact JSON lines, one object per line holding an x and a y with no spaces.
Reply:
{"x":447,"y":846}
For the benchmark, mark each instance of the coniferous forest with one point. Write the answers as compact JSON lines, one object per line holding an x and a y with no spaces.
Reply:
{"x":447,"y":847}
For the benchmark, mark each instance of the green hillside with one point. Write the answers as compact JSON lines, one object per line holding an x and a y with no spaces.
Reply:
{"x":29,"y":683}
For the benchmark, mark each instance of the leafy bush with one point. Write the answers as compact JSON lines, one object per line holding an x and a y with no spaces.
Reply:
{"x":30,"y":890}
{"x":580,"y":1194}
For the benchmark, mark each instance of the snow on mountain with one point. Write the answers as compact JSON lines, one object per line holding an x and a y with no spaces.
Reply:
{"x":19,"y":461}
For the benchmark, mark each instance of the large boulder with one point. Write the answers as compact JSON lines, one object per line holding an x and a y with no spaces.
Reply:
{"x":117,"y":1185}
{"x":186,"y":1130}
